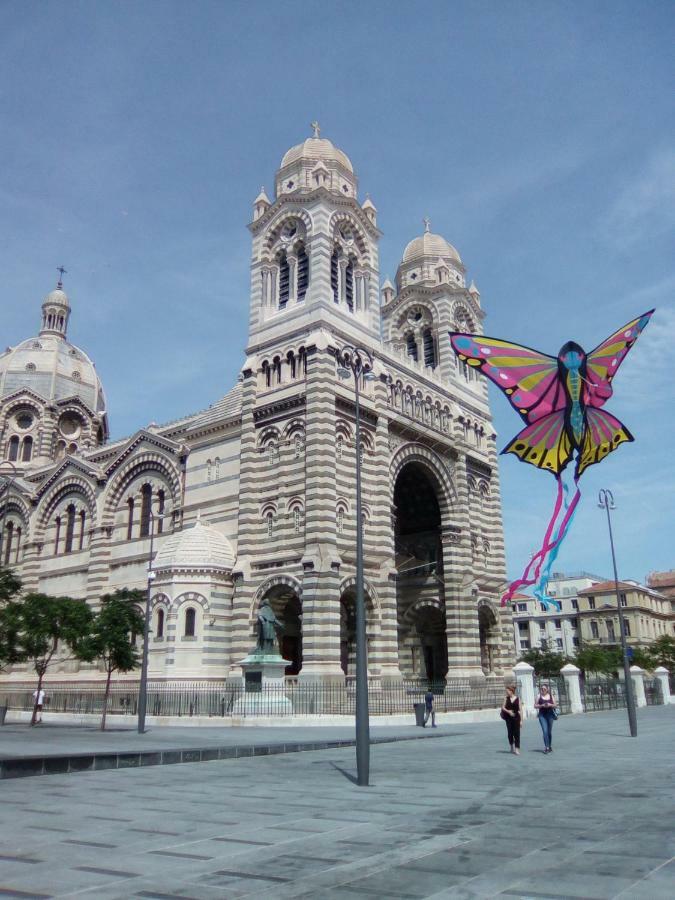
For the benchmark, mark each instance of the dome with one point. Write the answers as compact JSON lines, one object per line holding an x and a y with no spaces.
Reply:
{"x":429,"y":245}
{"x":317,"y":149}
{"x":199,"y":547}
{"x":54,"y":369}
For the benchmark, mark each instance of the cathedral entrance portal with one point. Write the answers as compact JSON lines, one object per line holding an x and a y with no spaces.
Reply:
{"x":420,"y":597}
{"x":348,"y":631}
{"x":287,"y":607}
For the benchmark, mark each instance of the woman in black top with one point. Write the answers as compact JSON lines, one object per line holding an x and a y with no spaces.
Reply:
{"x":511,"y":714}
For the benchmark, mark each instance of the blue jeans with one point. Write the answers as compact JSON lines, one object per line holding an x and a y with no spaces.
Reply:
{"x":546,"y":721}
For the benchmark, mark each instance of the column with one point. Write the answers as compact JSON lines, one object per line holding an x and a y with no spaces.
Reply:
{"x":571,"y":675}
{"x":524,"y":675}
{"x":292,"y":260}
{"x":342,"y":280}
{"x":638,"y":676}
{"x":663,"y":676}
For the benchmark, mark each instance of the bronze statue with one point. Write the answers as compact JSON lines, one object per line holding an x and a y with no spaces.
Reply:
{"x":268,"y":625}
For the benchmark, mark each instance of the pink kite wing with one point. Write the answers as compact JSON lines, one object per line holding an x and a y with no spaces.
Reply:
{"x":603,"y":363}
{"x":529,"y":378}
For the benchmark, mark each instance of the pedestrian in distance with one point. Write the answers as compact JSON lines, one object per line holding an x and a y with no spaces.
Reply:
{"x":545,"y":705}
{"x":429,"y":709}
{"x":38,"y":700}
{"x":512,"y":715}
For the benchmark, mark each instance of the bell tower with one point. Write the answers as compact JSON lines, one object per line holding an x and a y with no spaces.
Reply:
{"x":315,"y":250}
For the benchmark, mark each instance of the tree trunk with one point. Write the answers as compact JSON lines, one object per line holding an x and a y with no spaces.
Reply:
{"x":105,"y":699}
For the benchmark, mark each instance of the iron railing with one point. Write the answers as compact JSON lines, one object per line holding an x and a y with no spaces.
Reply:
{"x":558,"y":687}
{"x":222,"y":699}
{"x":653,"y":692}
{"x":603,"y":693}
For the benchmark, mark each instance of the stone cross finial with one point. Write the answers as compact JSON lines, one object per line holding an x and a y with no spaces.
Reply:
{"x":61,"y":272}
{"x":427,"y":224}
{"x":315,"y":126}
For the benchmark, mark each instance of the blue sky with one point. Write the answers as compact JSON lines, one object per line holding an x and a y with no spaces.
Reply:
{"x":539,"y":138}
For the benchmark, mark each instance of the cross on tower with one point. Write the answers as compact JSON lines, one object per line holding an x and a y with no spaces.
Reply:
{"x":61,"y":272}
{"x":317,"y":131}
{"x":427,"y":224}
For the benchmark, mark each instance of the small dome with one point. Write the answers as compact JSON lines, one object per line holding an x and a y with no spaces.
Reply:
{"x":199,"y":547}
{"x":57,"y":296}
{"x":429,"y":245}
{"x":316,"y":148}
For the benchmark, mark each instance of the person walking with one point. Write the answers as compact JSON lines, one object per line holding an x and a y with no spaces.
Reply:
{"x":545,"y":704}
{"x":429,"y":709}
{"x":38,"y":700}
{"x":512,"y":716}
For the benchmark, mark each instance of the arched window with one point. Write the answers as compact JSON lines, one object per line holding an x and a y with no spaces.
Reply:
{"x":290,"y":359}
{"x":60,"y":449}
{"x":27,"y":449}
{"x":339,"y":447}
{"x":8,"y":540}
{"x":146,"y":503}
{"x":303,"y":273}
{"x":130,"y":518}
{"x":429,"y":348}
{"x":57,"y":535}
{"x":70,"y":528}
{"x":335,"y":275}
{"x":297,"y":445}
{"x":271,"y":453}
{"x":302,"y":362}
{"x":13,"y":448}
{"x":190,"y":618}
{"x":270,"y":525}
{"x":340,"y":520}
{"x":18,"y":544}
{"x":296,"y":520}
{"x":83,"y":517}
{"x":277,"y":370}
{"x":284,"y":280}
{"x":411,"y":346}
{"x":349,"y":285}
{"x":161,"y":503}
{"x":159,"y":631}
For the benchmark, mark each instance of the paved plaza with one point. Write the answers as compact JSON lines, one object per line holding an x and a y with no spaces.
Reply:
{"x":453,"y":817}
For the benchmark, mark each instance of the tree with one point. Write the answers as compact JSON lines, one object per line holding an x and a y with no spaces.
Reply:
{"x":601,"y":660}
{"x":544,"y":662}
{"x":662,"y":652}
{"x":112,"y":636}
{"x":10,"y":587}
{"x":42,"y":623}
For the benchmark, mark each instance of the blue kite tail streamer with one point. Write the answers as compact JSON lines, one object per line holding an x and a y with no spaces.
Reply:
{"x":540,"y":591}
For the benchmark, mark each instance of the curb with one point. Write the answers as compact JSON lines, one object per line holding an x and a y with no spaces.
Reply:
{"x":30,"y":766}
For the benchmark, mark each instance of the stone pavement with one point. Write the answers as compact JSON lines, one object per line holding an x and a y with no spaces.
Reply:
{"x":456,"y":817}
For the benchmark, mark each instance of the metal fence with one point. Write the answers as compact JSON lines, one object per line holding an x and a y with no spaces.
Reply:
{"x":653,"y":692}
{"x":558,"y":687}
{"x":222,"y":699}
{"x":603,"y":693}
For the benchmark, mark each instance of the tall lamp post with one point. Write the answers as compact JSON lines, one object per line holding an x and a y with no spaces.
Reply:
{"x":9,"y":479}
{"x":143,"y":687}
{"x":358,"y":362}
{"x":606,"y":502}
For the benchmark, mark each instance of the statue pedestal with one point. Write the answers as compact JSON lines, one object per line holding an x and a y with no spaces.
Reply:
{"x":264,"y":685}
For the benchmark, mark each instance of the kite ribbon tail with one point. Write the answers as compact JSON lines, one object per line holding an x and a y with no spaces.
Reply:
{"x":563,"y":531}
{"x":525,"y":580}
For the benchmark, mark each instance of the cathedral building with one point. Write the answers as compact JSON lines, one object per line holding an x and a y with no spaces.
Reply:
{"x":254,"y":497}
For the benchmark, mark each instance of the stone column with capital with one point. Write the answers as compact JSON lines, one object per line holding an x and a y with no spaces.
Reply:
{"x":524,"y":675}
{"x":571,"y":675}
{"x":292,"y":260}
{"x":638,"y":676}
{"x":663,"y":676}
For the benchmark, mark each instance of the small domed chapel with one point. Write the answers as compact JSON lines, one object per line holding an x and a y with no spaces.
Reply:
{"x":254,"y":497}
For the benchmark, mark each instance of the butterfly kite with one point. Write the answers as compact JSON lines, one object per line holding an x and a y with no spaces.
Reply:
{"x":560,"y":400}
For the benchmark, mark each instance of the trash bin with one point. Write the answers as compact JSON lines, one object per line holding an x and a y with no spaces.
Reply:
{"x":419,"y":714}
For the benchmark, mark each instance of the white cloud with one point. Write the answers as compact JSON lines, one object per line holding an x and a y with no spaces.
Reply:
{"x":646,"y":205}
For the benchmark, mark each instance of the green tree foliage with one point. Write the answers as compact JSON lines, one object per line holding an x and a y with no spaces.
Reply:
{"x":544,"y":662}
{"x":599,"y":660}
{"x":113,"y":630}
{"x":662,"y":652}
{"x":45,"y":625}
{"x":10,"y":587}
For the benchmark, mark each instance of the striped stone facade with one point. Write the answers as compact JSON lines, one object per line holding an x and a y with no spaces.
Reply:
{"x":264,"y":480}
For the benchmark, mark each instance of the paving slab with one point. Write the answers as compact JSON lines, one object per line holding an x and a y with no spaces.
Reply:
{"x":453,"y":817}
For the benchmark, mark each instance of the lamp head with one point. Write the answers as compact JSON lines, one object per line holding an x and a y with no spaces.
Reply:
{"x":344,"y":373}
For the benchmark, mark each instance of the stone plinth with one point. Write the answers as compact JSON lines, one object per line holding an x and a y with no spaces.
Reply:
{"x":264,"y":683}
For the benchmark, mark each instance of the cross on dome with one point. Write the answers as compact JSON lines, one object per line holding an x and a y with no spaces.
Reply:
{"x":61,"y":272}
{"x":427,"y":224}
{"x":315,"y":127}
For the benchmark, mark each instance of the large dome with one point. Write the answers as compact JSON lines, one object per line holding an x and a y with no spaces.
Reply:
{"x":316,"y":148}
{"x":199,"y":547}
{"x":429,"y":245}
{"x":54,"y":369}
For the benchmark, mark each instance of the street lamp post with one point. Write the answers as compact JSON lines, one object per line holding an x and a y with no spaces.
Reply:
{"x":357,"y":362}
{"x":606,"y":502}
{"x":143,"y":687}
{"x":10,"y":484}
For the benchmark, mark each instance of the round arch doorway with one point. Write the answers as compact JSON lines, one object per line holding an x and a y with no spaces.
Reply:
{"x":288,"y":609}
{"x":420,"y":595}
